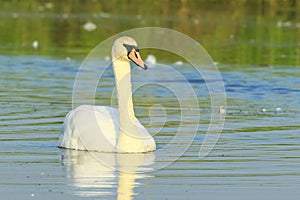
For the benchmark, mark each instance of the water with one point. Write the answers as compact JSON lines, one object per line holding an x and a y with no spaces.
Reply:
{"x":258,"y":151}
{"x":257,"y":155}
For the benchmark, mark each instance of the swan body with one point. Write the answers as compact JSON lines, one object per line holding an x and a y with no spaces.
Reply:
{"x":108,"y":129}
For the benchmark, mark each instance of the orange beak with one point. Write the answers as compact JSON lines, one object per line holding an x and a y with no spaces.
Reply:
{"x":135,"y":57}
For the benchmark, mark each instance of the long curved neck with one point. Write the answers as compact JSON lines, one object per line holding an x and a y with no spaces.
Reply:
{"x":129,"y":136}
{"x":124,"y":93}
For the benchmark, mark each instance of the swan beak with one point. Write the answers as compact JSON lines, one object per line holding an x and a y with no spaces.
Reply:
{"x":135,"y":57}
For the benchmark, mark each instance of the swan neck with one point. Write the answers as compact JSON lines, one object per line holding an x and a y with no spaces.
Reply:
{"x":132,"y":137}
{"x":124,"y":93}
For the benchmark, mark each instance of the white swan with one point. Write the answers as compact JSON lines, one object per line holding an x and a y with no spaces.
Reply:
{"x":107,"y":129}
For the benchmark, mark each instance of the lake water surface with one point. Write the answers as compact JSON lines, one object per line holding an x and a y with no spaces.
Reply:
{"x":257,"y":155}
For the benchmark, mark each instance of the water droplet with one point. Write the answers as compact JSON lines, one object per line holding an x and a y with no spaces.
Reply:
{"x":150,"y":59}
{"x":222,"y":110}
{"x":35,"y":44}
{"x":107,"y":58}
{"x":178,"y":63}
{"x":89,"y":26}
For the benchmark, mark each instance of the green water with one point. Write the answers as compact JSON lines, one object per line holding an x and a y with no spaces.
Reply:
{"x":256,"y":44}
{"x":241,"y":32}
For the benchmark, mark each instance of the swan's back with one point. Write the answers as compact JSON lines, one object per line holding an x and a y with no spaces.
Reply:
{"x":91,"y":128}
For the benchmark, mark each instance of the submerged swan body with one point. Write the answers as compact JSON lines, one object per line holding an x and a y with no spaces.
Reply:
{"x":107,"y":129}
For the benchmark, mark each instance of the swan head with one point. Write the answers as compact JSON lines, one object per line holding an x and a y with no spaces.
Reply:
{"x":125,"y":48}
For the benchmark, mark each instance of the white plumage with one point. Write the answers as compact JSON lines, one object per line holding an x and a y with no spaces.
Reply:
{"x":107,"y":129}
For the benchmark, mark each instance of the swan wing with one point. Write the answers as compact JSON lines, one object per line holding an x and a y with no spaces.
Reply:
{"x":92,"y":128}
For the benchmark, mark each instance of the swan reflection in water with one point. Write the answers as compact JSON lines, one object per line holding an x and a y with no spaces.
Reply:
{"x":96,"y":174}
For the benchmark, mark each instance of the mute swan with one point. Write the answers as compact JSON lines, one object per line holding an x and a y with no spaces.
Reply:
{"x":107,"y":129}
